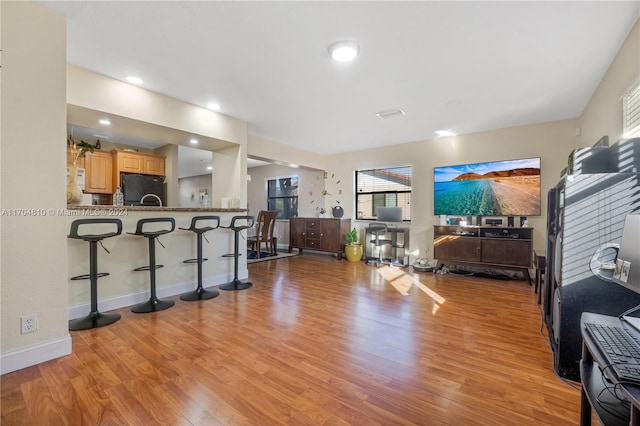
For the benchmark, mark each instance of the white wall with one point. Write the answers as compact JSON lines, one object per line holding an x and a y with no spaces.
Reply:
{"x":603,"y":114}
{"x":310,"y":185}
{"x":34,"y":247}
{"x":189,"y":190}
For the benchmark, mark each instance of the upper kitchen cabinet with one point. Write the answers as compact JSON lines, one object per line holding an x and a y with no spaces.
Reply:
{"x":136,"y":162}
{"x":99,"y":172}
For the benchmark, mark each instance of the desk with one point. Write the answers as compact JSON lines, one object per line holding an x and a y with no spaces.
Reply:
{"x":540,"y":263}
{"x":399,"y":236}
{"x":594,"y":396}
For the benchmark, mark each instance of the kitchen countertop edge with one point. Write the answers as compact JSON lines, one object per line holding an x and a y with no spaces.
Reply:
{"x":157,"y":209}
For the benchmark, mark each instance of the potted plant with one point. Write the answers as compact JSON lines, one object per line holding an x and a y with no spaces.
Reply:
{"x":353,"y":249}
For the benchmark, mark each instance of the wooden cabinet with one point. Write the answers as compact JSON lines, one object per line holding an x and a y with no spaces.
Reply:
{"x":497,"y":247}
{"x":322,"y":234}
{"x":99,"y":172}
{"x":136,"y":162}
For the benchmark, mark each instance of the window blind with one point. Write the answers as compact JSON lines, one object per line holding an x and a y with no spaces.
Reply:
{"x":631,"y":111}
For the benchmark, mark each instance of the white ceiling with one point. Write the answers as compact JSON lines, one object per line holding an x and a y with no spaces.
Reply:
{"x":464,"y":66}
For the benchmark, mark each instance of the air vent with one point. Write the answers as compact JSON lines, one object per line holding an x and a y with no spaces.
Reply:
{"x":390,"y":113}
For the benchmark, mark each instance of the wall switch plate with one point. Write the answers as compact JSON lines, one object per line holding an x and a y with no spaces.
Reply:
{"x":28,"y":323}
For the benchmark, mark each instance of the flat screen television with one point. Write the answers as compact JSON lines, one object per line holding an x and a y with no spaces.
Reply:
{"x":496,"y":188}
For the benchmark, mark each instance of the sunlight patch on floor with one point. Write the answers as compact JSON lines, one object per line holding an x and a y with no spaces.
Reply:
{"x":403,"y":282}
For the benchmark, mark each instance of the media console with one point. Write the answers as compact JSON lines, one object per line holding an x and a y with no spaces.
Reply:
{"x":509,"y":248}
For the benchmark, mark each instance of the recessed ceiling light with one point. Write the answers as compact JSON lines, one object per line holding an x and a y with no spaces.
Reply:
{"x":344,"y":51}
{"x":213,"y":106}
{"x":209,"y":168}
{"x":194,"y":141}
{"x":134,"y":80}
{"x":104,"y":122}
{"x":444,"y":133}
{"x":390,"y":113}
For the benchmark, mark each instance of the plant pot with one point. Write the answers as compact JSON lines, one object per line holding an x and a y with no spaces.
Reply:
{"x":353,"y":252}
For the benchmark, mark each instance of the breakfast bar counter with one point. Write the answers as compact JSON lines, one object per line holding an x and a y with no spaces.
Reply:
{"x":126,"y":287}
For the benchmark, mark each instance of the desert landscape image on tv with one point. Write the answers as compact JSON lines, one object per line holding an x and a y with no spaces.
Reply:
{"x":499,"y":188}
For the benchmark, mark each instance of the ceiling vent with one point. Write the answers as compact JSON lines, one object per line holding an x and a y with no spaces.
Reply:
{"x":390,"y":113}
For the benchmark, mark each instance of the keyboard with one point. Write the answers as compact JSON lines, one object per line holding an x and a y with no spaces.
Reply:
{"x":621,"y":351}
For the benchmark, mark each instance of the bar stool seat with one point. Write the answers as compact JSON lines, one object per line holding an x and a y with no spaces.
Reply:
{"x":200,"y":293}
{"x":153,"y":304}
{"x":95,"y":317}
{"x":237,"y":225}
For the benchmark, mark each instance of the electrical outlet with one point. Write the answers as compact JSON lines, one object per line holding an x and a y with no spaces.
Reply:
{"x":28,"y":323}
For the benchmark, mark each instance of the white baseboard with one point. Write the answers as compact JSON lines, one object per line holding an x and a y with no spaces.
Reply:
{"x":32,"y":355}
{"x":105,"y":305}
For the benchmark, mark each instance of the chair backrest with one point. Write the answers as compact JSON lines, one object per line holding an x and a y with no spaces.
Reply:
{"x":265,"y":224}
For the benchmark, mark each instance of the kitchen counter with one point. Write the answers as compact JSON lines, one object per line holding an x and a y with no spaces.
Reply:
{"x":155,"y":208}
{"x":124,"y":286}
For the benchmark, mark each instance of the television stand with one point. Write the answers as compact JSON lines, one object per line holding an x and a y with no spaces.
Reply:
{"x":507,"y":248}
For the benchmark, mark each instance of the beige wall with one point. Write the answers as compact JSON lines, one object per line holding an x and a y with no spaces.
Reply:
{"x":34,"y":248}
{"x":551,"y":141}
{"x":310,"y":186}
{"x":262,"y":148}
{"x":189,"y":190}
{"x":603,"y":114}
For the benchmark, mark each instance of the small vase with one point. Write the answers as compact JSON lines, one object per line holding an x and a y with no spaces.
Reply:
{"x":74,"y":193}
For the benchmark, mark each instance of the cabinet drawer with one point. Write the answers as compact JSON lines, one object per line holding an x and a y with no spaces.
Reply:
{"x":312,"y":224}
{"x":312,"y":243}
{"x":312,"y":233}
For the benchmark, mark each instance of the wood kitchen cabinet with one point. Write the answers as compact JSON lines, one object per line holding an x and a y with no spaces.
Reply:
{"x":322,"y":234}
{"x":507,"y":248}
{"x":136,"y":162}
{"x":99,"y":172}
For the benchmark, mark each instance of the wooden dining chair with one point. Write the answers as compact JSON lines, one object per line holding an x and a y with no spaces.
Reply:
{"x":264,"y":227}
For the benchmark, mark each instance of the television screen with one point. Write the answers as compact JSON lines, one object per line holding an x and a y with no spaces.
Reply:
{"x":497,"y":188}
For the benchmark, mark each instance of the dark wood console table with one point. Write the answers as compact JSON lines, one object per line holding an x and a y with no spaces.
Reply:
{"x":322,"y":234}
{"x":509,"y":248}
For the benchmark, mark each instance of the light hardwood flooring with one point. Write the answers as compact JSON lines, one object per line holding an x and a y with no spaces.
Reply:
{"x":315,"y":341}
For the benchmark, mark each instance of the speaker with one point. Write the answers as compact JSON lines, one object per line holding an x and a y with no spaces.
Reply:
{"x":510,"y":221}
{"x":479,"y":220}
{"x":469,"y":220}
{"x":522,"y":220}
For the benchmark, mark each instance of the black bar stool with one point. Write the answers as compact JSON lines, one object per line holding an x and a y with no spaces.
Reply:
{"x":153,"y":304}
{"x":95,"y":318}
{"x":200,"y":293}
{"x":248,"y":221}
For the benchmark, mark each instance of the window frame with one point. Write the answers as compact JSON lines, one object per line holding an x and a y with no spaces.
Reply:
{"x":295,"y":198}
{"x":397,"y":194}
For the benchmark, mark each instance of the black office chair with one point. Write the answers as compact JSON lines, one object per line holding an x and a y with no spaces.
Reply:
{"x":378,"y":230}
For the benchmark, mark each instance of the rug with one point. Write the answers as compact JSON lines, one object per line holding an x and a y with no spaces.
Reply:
{"x":252,"y":258}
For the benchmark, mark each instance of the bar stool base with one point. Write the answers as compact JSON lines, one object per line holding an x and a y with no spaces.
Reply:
{"x":152,"y":305}
{"x":199,"y":294}
{"x":235,"y":285}
{"x":93,"y":320}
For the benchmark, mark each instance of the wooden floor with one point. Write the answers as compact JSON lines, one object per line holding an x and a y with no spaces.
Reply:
{"x":314,"y":341}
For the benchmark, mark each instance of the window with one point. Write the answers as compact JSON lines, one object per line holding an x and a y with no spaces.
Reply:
{"x":384,"y":187}
{"x":282,"y":195}
{"x":631,"y":111}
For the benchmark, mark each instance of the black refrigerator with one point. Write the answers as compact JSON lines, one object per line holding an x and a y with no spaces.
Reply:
{"x":135,"y":187}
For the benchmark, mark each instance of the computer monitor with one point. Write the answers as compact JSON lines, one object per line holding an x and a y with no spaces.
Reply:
{"x":627,"y":266}
{"x":389,"y":214}
{"x":627,"y":272}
